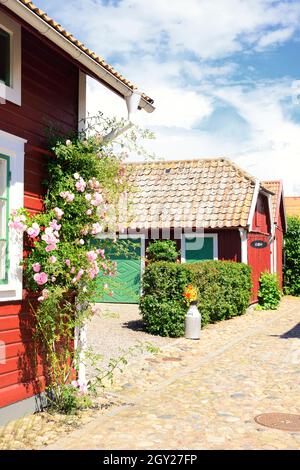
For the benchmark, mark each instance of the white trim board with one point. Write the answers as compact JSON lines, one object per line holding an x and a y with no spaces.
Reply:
{"x":13,"y":92}
{"x":13,"y":147}
{"x":199,"y":235}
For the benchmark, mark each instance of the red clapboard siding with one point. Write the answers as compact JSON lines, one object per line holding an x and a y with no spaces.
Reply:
{"x":10,"y":309}
{"x":12,"y":364}
{"x":49,"y":96}
{"x":10,"y":322}
{"x":20,"y":391}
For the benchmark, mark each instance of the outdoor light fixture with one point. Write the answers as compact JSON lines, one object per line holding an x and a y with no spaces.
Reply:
{"x":132,"y":103}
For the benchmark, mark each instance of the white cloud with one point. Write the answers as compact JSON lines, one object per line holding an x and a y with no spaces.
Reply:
{"x":275,"y":37}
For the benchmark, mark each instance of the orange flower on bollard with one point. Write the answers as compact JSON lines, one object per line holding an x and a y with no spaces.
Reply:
{"x":190,"y":294}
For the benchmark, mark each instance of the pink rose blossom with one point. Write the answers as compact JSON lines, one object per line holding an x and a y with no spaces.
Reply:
{"x":80,"y":185}
{"x":41,"y":298}
{"x":17,"y":223}
{"x":97,"y":199}
{"x":54,"y":225}
{"x":91,"y":256}
{"x":36,"y":267}
{"x":33,"y":231}
{"x":50,"y":248}
{"x":96,"y":228}
{"x":40,"y":278}
{"x":52,"y":259}
{"x":58,"y":212}
{"x":68,"y":262}
{"x":72,"y":270}
{"x":45,"y":293}
{"x":53,"y":279}
{"x":81,"y":241}
{"x":88,"y":197}
{"x":89,"y":212}
{"x":101,"y":253}
{"x":69,"y":197}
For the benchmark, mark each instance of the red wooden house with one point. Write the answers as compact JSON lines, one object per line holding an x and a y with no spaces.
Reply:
{"x":211,"y":208}
{"x":280,"y":226}
{"x":43,"y":71}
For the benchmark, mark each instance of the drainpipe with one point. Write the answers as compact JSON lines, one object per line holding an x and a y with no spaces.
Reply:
{"x":132,"y":103}
{"x":244,"y":245}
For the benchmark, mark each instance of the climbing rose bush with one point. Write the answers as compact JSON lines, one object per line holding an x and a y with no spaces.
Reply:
{"x":65,"y":264}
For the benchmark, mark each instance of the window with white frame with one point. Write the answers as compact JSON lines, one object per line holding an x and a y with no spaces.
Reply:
{"x":11,"y":198}
{"x":10,"y":60}
{"x":4,"y":214}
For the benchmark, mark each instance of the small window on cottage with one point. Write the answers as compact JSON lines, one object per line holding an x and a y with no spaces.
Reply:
{"x":5,"y":44}
{"x":4,"y":212}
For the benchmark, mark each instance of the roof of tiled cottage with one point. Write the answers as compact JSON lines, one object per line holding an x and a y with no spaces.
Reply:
{"x":276,"y":188}
{"x":69,"y":36}
{"x":208,"y":193}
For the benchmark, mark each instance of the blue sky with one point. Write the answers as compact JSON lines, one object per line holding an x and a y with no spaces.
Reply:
{"x":224,"y":74}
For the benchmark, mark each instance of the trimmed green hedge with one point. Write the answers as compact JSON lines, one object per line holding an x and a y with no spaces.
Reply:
{"x":292,"y":257}
{"x":224,"y":291}
{"x":162,"y":305}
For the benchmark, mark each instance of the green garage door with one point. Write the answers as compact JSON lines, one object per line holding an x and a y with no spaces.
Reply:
{"x":199,"y":248}
{"x":126,"y":285}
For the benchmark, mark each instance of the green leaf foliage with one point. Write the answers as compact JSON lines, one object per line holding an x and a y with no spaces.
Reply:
{"x":224,"y":289}
{"x":162,"y":305}
{"x":162,"y":250}
{"x":292,"y":257}
{"x":269,"y":294}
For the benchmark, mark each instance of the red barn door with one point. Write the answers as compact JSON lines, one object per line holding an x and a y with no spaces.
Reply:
{"x":259,"y":258}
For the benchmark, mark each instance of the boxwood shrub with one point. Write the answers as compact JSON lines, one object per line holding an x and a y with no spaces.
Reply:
{"x":162,"y":305}
{"x":224,"y":292}
{"x":292,"y":257}
{"x":224,"y":288}
{"x":269,"y":293}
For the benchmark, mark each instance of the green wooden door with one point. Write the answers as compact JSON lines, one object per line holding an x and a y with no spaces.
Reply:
{"x":198,"y":249}
{"x":126,"y":285}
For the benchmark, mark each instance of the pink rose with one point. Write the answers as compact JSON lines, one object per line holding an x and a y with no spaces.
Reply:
{"x":45,"y":293}
{"x":40,"y":278}
{"x":68,"y":262}
{"x":58,"y":212}
{"x":91,"y":256}
{"x":36,"y":267}
{"x":33,"y":231}
{"x":80,"y":185}
{"x":52,"y":259}
{"x":51,"y":247}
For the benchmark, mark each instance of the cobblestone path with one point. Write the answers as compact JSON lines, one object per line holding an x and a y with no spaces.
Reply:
{"x":205,"y":394}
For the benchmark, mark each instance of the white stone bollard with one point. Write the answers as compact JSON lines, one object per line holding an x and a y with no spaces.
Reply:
{"x":192,"y":322}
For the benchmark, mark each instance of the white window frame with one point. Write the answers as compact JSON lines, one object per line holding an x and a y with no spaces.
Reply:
{"x":199,"y":235}
{"x":13,"y":147}
{"x":13,"y":92}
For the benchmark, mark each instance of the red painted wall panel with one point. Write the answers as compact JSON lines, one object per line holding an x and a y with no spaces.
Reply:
{"x":259,"y":259}
{"x":49,"y":95}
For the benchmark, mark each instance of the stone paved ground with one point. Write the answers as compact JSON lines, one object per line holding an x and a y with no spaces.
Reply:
{"x":204,"y":394}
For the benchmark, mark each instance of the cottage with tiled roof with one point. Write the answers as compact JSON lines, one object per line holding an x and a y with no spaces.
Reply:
{"x":210,"y":207}
{"x":43,"y":71}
